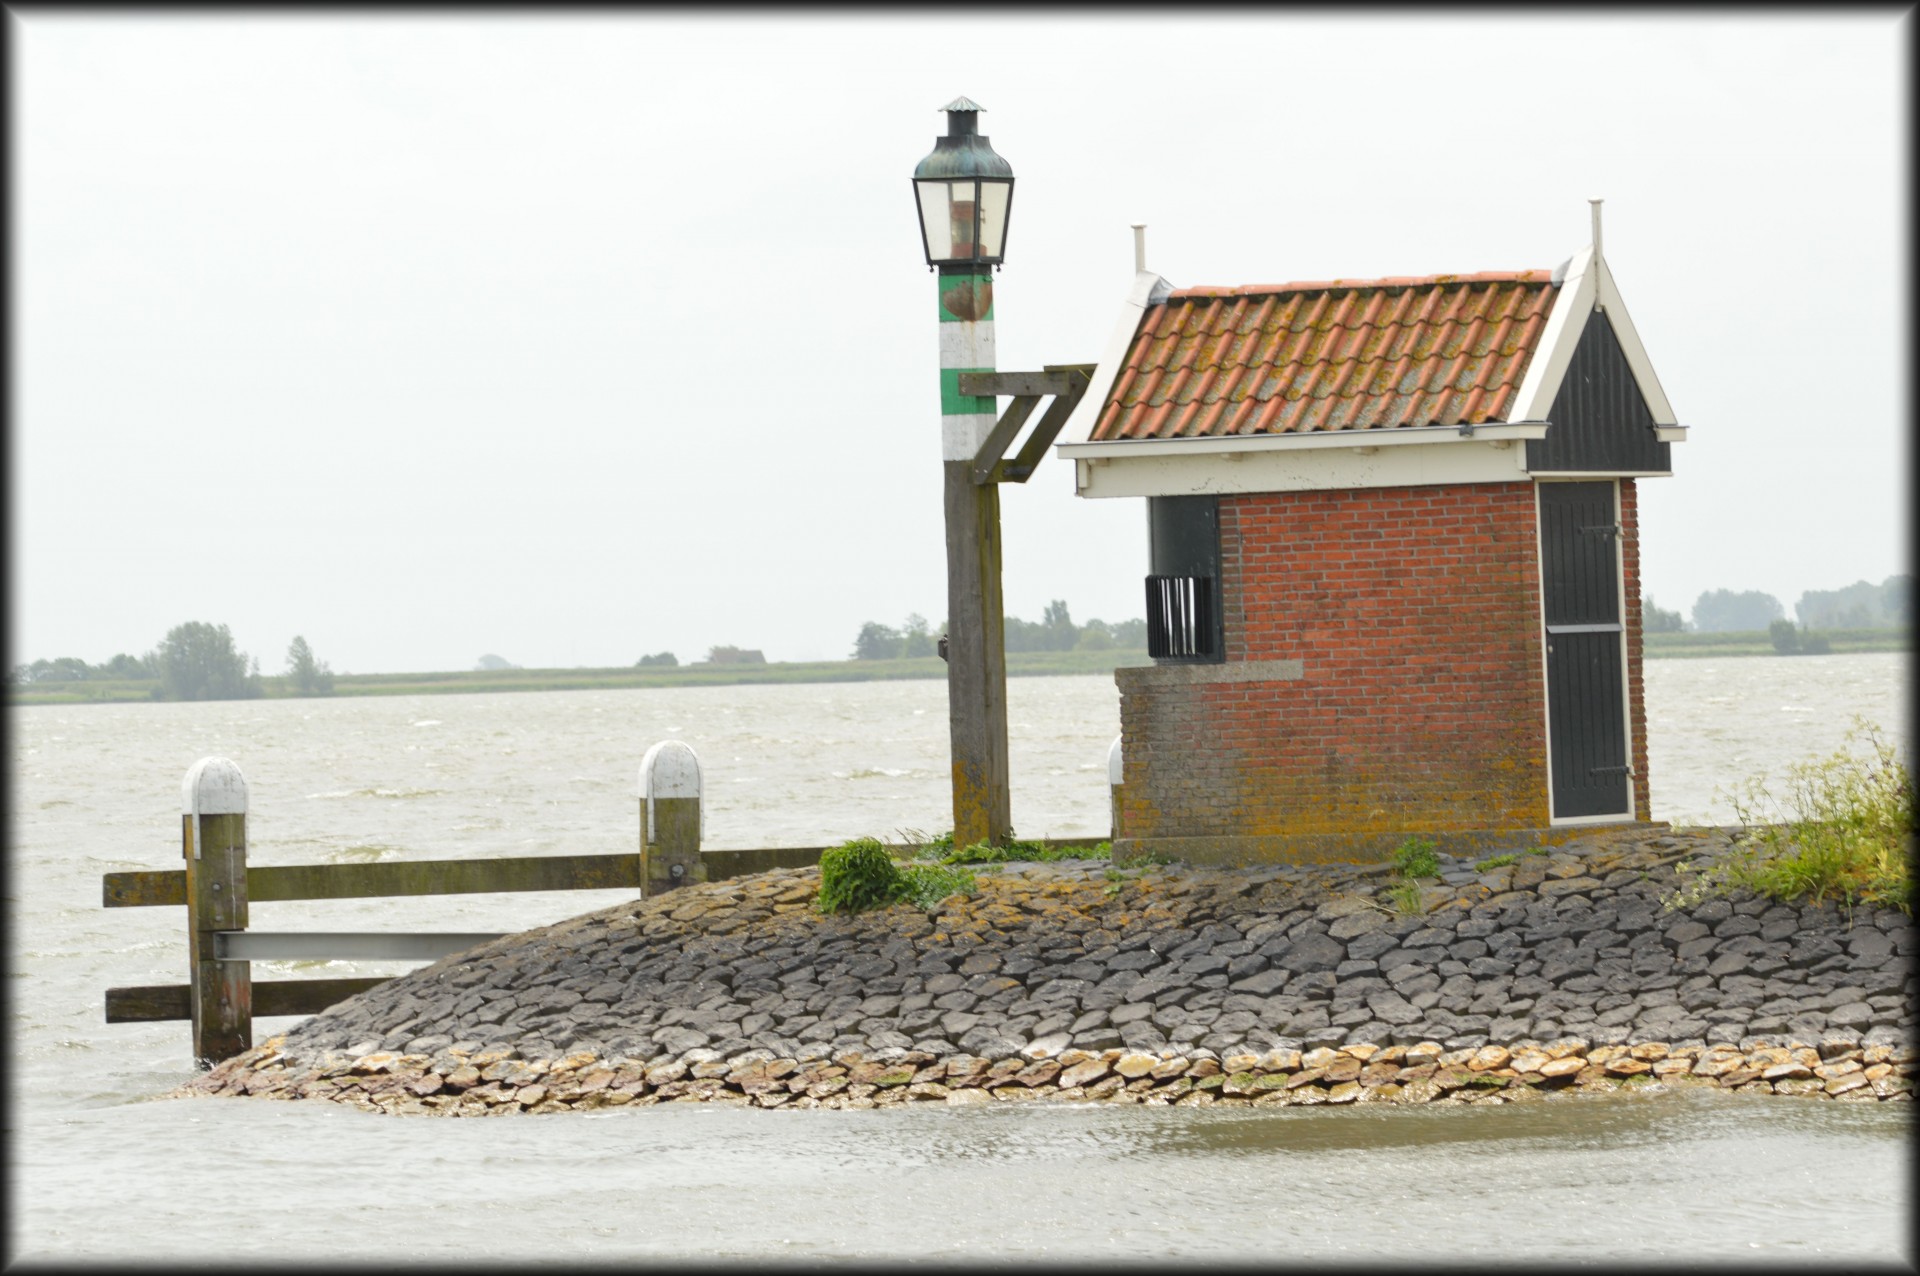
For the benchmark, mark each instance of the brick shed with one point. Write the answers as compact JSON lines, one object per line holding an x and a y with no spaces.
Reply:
{"x":1392,"y":559}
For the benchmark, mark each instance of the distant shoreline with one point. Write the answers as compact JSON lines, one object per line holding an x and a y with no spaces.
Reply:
{"x":1020,"y":664}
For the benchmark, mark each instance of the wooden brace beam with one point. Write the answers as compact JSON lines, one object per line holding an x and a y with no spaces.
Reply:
{"x":1066,"y":382}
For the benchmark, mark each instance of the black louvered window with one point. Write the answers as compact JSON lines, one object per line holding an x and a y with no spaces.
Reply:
{"x":1180,"y":623}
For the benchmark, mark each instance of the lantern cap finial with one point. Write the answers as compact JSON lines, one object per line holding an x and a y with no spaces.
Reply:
{"x":963,"y":104}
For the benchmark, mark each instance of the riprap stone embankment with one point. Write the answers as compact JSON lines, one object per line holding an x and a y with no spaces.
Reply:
{"x":1168,"y":984}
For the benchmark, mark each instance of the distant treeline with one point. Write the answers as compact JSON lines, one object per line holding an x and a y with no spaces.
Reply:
{"x":1055,"y":631}
{"x":1858,"y":606}
{"x":196,"y":661}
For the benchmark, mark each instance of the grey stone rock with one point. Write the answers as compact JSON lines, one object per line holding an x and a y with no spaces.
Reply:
{"x":1313,"y":953}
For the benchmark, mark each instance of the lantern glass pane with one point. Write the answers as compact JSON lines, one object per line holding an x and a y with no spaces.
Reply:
{"x":994,"y":197}
{"x":963,"y":211}
{"x":935,"y":220}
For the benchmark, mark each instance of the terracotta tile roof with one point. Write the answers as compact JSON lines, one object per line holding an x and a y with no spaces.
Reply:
{"x":1343,"y":354}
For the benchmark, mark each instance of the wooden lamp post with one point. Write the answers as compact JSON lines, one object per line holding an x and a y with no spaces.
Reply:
{"x":964,"y":193}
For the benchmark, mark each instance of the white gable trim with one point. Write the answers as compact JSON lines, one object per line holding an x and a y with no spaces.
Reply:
{"x":1565,"y":322}
{"x":1589,"y":283}
{"x":1636,"y":353}
{"x":1148,"y":289}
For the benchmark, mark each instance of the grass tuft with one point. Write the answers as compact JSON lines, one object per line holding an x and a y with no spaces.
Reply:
{"x":1415,"y":859}
{"x":862,"y":875}
{"x":1842,"y":829}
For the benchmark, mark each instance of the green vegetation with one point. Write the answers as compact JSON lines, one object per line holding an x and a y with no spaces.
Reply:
{"x":1015,"y":851}
{"x":198,"y":661}
{"x":1145,"y":859}
{"x":1415,"y":859}
{"x":1723,"y":610}
{"x":1790,"y":640}
{"x":1495,"y":861}
{"x":1759,"y":642}
{"x":310,"y":677}
{"x":857,"y":876}
{"x":1658,"y":620}
{"x":1055,"y":631}
{"x":1406,"y":897}
{"x":28,"y":690}
{"x":1843,"y":829}
{"x":1858,"y":606}
{"x":862,"y":874}
{"x":659,"y":659}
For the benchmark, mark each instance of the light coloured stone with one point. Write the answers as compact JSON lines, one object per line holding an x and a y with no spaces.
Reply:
{"x":1651,"y":1051}
{"x":1083,"y":1073}
{"x":1046,"y":1047}
{"x":1319,"y":1058}
{"x":1488,"y":1058}
{"x":1565,"y":1066}
{"x":1135,"y":1065}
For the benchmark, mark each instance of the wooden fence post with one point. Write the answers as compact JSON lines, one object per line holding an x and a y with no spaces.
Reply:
{"x":214,"y":843}
{"x":670,"y":818}
{"x":1115,"y":773}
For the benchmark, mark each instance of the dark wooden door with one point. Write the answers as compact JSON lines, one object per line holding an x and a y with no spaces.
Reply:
{"x":1586,"y":675}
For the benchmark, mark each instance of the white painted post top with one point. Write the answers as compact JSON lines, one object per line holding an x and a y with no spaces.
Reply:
{"x":214,"y":786}
{"x":1115,"y":772}
{"x":670,"y":769}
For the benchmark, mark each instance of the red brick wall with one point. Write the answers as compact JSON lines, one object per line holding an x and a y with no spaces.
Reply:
{"x":1416,"y":614}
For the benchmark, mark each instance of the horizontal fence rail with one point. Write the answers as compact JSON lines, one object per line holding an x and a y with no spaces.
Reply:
{"x":217,"y":886}
{"x":255,"y":945}
{"x":268,"y":883}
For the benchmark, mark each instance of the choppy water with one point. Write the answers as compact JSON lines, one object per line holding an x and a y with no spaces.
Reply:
{"x":96,"y":1168}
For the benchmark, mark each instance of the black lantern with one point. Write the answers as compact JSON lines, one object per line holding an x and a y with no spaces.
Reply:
{"x":965,"y":192}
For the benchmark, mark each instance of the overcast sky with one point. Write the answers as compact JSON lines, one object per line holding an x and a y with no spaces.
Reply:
{"x":581,"y":337}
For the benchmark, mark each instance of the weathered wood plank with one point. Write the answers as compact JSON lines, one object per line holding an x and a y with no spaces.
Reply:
{"x":1001,"y":437}
{"x":152,"y":1003}
{"x":222,"y":998}
{"x":267,"y":882}
{"x":721,"y":865}
{"x":1052,"y":381}
{"x":976,"y":660}
{"x":148,"y":888}
{"x":1022,"y":466}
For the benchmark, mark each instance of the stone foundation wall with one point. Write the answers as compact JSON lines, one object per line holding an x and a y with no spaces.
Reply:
{"x":1297,"y":984}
